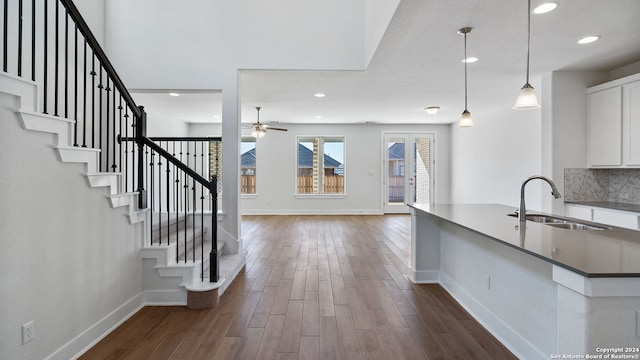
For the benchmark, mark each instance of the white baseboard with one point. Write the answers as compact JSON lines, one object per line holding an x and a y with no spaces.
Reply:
{"x":172,"y":297}
{"x":312,"y":212}
{"x":424,"y":277}
{"x":518,"y":345}
{"x":88,"y":338}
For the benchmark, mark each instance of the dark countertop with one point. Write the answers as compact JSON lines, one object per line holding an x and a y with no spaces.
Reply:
{"x":608,"y":205}
{"x":591,"y":253}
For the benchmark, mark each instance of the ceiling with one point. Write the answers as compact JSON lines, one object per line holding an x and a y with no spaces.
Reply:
{"x":418,"y":64}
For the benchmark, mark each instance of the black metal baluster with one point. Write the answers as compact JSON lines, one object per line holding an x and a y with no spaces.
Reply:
{"x":123,"y":170}
{"x":159,"y":198}
{"x":202,"y":215}
{"x":114,"y":166}
{"x":75,"y":88}
{"x":84,"y":98}
{"x":106,"y":135}
{"x":150,"y":187}
{"x":55,"y":63}
{"x":176,"y":196}
{"x":45,"y":52}
{"x":168,"y":195}
{"x":180,"y":209}
{"x":33,"y":40}
{"x":193,"y":220}
{"x":66,"y":64}
{"x":5,"y":39}
{"x":100,"y":87}
{"x":202,"y":233}
{"x":126,"y":148}
{"x":20,"y":38}
{"x":186,"y":202}
{"x":93,"y":99}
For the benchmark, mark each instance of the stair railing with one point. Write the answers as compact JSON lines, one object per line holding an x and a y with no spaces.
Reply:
{"x":49,"y":42}
{"x":179,"y":196}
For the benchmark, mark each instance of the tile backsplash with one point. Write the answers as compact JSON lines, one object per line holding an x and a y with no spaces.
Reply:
{"x":614,"y":185}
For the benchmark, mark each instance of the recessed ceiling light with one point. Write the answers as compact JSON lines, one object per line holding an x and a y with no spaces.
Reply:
{"x":318,"y":117}
{"x":588,"y":39}
{"x":470,"y":60}
{"x":545,"y":8}
{"x":174,"y":94}
{"x":319,"y":95}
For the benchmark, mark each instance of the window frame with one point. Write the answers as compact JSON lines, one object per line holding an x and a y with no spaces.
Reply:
{"x":248,"y":139}
{"x":321,"y":142}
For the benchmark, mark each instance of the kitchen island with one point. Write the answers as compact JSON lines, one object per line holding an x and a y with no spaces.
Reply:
{"x":543,"y":291}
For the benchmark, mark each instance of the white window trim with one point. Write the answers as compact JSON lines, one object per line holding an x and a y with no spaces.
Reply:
{"x":321,"y":185}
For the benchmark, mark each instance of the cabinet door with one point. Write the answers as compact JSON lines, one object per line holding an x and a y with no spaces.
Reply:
{"x":605,"y":127}
{"x":616,"y":218}
{"x":579,"y":212}
{"x":631,"y":123}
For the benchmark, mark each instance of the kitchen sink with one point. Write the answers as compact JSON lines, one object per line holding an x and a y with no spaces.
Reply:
{"x":562,"y":223}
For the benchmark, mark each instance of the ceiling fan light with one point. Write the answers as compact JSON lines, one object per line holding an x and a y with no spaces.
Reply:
{"x":466,"y":120}
{"x":527,"y":99}
{"x":258,"y":133}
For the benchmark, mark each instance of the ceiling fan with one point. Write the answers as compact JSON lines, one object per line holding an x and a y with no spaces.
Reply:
{"x":259,"y":129}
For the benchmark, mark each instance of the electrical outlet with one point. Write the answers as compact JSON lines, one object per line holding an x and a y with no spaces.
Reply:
{"x":487,"y":281}
{"x":27,"y":332}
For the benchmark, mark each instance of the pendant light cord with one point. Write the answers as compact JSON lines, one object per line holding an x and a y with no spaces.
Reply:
{"x":465,"y":71}
{"x":528,"y":35}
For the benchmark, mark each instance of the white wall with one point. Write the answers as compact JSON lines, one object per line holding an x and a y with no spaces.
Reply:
{"x":378,"y":14}
{"x":564,"y":123}
{"x":68,"y":259}
{"x":276,"y":169}
{"x":229,"y":35}
{"x":93,"y":13}
{"x":490,"y":161}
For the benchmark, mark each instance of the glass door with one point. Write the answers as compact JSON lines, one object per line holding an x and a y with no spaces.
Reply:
{"x":408,"y":168}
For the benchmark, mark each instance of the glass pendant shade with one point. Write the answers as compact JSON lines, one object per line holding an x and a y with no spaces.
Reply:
{"x":465,"y":119}
{"x":527,"y":99}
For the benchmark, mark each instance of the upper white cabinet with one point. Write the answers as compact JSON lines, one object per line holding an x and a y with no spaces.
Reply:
{"x":631,"y":123}
{"x":614,"y":123}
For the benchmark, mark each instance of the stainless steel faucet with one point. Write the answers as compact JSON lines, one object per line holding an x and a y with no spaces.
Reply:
{"x":522,"y":213}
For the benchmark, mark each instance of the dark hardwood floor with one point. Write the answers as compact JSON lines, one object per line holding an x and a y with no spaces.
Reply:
{"x":314,"y":287}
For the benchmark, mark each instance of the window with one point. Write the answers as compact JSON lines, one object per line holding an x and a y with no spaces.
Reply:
{"x":320,"y":165}
{"x":248,"y":166}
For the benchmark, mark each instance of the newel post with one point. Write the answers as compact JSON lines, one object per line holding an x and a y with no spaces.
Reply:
{"x":214,"y":265}
{"x":141,"y":133}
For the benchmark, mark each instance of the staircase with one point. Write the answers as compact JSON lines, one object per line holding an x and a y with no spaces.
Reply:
{"x":171,"y":268}
{"x":78,"y":96}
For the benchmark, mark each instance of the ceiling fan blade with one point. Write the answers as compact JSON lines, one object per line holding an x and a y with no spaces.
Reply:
{"x":275,"y":128}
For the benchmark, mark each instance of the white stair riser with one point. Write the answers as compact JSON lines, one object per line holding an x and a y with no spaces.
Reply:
{"x":49,"y":124}
{"x":80,"y":155}
{"x":112,"y":180}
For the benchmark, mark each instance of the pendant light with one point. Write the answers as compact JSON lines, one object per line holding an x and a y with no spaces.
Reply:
{"x":465,"y":119}
{"x":527,"y":99}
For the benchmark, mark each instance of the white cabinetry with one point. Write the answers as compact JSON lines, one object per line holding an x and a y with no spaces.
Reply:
{"x":619,"y":218}
{"x":614,"y":123}
{"x":631,"y":123}
{"x":605,"y":127}
{"x":616,"y":218}
{"x":579,"y":212}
